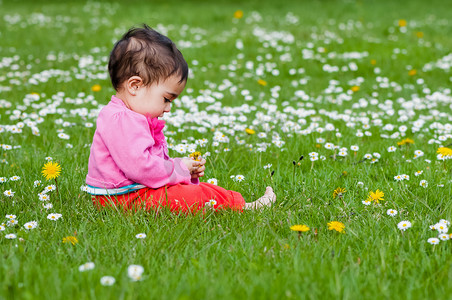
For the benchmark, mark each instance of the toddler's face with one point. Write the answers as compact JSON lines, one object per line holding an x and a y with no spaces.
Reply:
{"x":155,"y":100}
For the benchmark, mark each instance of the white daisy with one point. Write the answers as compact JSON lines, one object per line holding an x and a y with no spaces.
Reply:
{"x":107,"y":280}
{"x":31,"y":225}
{"x":404,"y":225}
{"x":391,"y":212}
{"x":443,"y":236}
{"x":433,"y":241}
{"x":47,"y":205}
{"x":134,"y":272}
{"x":392,"y":149}
{"x":10,"y":236}
{"x":211,"y":203}
{"x":441,"y":227}
{"x":239,"y":178}
{"x":86,"y":267}
{"x":54,"y":216}
{"x":213,"y":181}
{"x":141,"y":236}
{"x":8,"y":193}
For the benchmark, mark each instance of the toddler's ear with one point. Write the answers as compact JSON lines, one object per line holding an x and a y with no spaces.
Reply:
{"x":133,"y":84}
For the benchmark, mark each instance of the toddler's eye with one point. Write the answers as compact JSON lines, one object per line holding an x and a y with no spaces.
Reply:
{"x":167,"y":100}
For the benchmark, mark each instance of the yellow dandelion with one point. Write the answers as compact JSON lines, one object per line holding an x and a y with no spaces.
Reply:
{"x":373,"y":62}
{"x":444,"y":151}
{"x":238,"y":14}
{"x":196,"y":155}
{"x":376,"y":196}
{"x":70,"y":239}
{"x":419,"y":34}
{"x":250,"y":131}
{"x":339,"y":192}
{"x":299,"y":228}
{"x":262,"y":82}
{"x":402,"y":23}
{"x":51,"y":170}
{"x":335,"y":225}
{"x":355,"y":88}
{"x":96,"y":88}
{"x":412,"y":72}
{"x":406,"y":141}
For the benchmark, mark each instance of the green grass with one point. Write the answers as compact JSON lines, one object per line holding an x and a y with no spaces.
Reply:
{"x":230,"y":255}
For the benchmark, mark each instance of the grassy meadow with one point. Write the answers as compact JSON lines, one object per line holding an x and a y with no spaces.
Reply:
{"x":360,"y":89}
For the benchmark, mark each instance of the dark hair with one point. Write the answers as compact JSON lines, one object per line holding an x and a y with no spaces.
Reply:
{"x":146,"y":53}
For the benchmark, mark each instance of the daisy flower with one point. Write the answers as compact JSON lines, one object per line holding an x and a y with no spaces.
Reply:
{"x":398,"y":178}
{"x":211,"y":203}
{"x":134,"y":272}
{"x":391,"y":212}
{"x":239,"y":178}
{"x":54,"y":217}
{"x":392,"y":149}
{"x":86,"y":267}
{"x":11,"y":217}
{"x":14,"y":178}
{"x":12,"y":222}
{"x":418,"y":173}
{"x":213,"y":181}
{"x":107,"y":280}
{"x":443,"y":237}
{"x":49,"y":188}
{"x":445,"y":222}
{"x":368,"y":156}
{"x":441,"y":227}
{"x":404,"y":225}
{"x":37,"y":183}
{"x":267,"y":166}
{"x":8,"y":193}
{"x":366,"y":202}
{"x":433,"y":241}
{"x":141,"y":236}
{"x":3,"y":179}
{"x":423,"y":183}
{"x":10,"y":236}
{"x":44,"y":197}
{"x":47,"y":206}
{"x":31,"y":225}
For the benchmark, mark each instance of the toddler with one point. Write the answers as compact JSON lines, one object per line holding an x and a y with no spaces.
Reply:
{"x":129,"y":164}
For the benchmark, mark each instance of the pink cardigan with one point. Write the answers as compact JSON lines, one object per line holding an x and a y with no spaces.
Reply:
{"x":129,"y":148}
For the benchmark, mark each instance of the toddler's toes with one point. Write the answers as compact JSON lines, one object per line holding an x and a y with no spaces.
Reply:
{"x":270,"y":194}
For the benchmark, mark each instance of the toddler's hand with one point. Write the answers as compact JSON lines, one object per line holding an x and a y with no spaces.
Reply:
{"x":196,"y":168}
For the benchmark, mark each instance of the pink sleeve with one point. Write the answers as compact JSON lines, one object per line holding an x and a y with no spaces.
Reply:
{"x":129,"y":142}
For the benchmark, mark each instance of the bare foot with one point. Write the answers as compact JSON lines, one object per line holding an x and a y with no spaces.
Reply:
{"x":266,"y":200}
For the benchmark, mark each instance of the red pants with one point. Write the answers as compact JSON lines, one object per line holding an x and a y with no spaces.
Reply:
{"x":179,"y":197}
